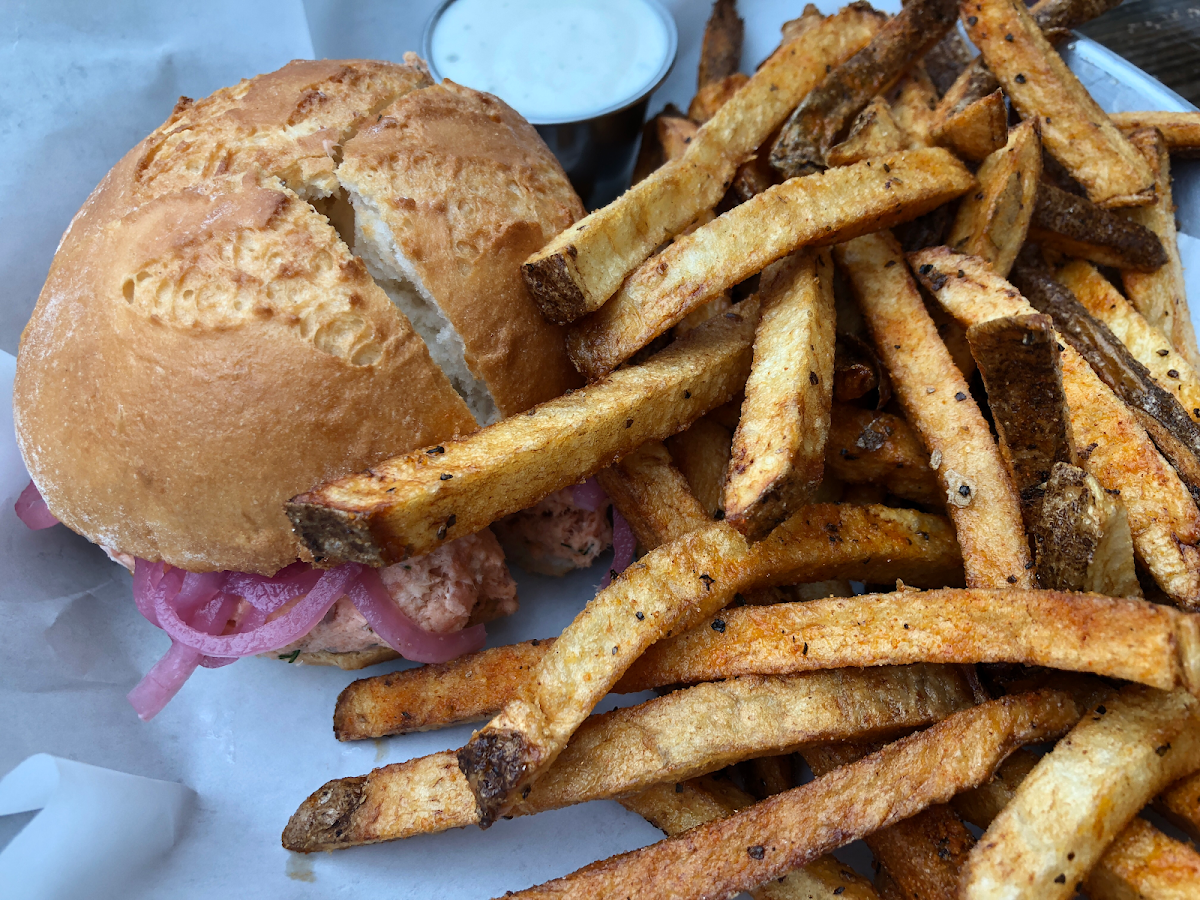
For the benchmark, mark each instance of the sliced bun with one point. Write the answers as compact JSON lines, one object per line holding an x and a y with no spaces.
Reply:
{"x":207,"y":346}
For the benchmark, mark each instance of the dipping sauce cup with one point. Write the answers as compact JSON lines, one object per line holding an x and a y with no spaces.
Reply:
{"x":581,"y":72}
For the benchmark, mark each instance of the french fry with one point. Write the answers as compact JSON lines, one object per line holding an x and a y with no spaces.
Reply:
{"x":712,"y":96}
{"x":874,"y":544}
{"x":946,"y":60}
{"x":937,"y":401}
{"x":629,"y":749}
{"x":977,"y":130}
{"x":1118,"y":638}
{"x":584,"y":265}
{"x":1081,"y":796}
{"x":1147,"y":344}
{"x":1083,"y":537}
{"x":702,"y":453}
{"x":992,"y":223}
{"x":1167,"y":422}
{"x":1140,"y":862}
{"x":866,"y":447}
{"x":721,"y":46}
{"x":1074,"y":226}
{"x":411,"y":504}
{"x":857,"y":371}
{"x":789,"y":830}
{"x":1110,"y":442}
{"x":664,"y":137}
{"x":874,"y":133}
{"x":675,"y":808}
{"x":1161,"y":296}
{"x":1039,"y":85}
{"x":1018,"y":358}
{"x":1180,"y":804}
{"x":778,"y":454}
{"x":1181,"y":130}
{"x":766,"y":776}
{"x":819,"y":210}
{"x":916,"y":99}
{"x":652,"y":495}
{"x":826,"y":113}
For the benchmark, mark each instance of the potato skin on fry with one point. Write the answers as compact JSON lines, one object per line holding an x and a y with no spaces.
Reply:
{"x":977,"y":130}
{"x":866,"y":447}
{"x":1077,"y":227}
{"x":1039,"y":84}
{"x":1181,"y":130}
{"x":818,"y":210}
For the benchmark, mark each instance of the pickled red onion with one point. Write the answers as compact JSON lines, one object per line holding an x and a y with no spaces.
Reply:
{"x":404,"y":635}
{"x":32,"y":510}
{"x":269,"y":594}
{"x":151,"y":580}
{"x":589,"y":495}
{"x":279,"y":632}
{"x":624,"y":544}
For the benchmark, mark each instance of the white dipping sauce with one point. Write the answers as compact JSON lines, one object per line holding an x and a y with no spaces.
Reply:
{"x":552,"y":60}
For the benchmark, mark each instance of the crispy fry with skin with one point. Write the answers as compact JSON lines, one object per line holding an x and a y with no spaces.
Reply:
{"x":1039,"y":85}
{"x":702,"y":454}
{"x":652,"y":495}
{"x":766,"y":776}
{"x":826,"y":113}
{"x":874,"y":544}
{"x":1119,"y":638}
{"x":1181,"y":130}
{"x":789,"y":830}
{"x":583,"y":266}
{"x":874,"y":133}
{"x":1180,"y":803}
{"x":916,"y":99}
{"x":410,"y":504}
{"x":778,"y":454}
{"x":1161,"y":296}
{"x":981,"y":500}
{"x":664,"y":137}
{"x":946,"y":60}
{"x":712,"y":96}
{"x":867,"y":447}
{"x":1082,"y":795}
{"x":976,"y":131}
{"x":819,"y":210}
{"x":992,"y":222}
{"x":675,"y":808}
{"x":1110,"y":442}
{"x":1018,"y":359}
{"x":1148,"y":344}
{"x":629,"y":749}
{"x":1074,"y":226}
{"x":721,"y":47}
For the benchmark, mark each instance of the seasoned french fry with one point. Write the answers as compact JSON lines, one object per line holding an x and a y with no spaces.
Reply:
{"x":664,"y":137}
{"x":1161,"y":296}
{"x":981,"y":805}
{"x":1081,"y":796}
{"x":857,"y":370}
{"x":1118,"y":638}
{"x":992,"y":223}
{"x":411,"y":504}
{"x":822,"y":209}
{"x":583,"y":266}
{"x":937,"y":401}
{"x":702,"y":454}
{"x":1083,"y":537}
{"x":629,"y":749}
{"x":874,"y":544}
{"x":977,"y":130}
{"x":826,"y":113}
{"x":778,"y":454}
{"x":1039,"y":84}
{"x":874,"y":133}
{"x":721,"y":46}
{"x":782,"y":833}
{"x":1180,"y":803}
{"x":1147,"y":344}
{"x":652,"y":495}
{"x":766,"y":776}
{"x":916,"y":99}
{"x":1075,"y":226}
{"x":866,"y":447}
{"x":1018,"y":358}
{"x":1181,"y":130}
{"x":946,"y":60}
{"x":712,"y":96}
{"x":1110,"y":442}
{"x":675,"y":808}
{"x":1168,"y":423}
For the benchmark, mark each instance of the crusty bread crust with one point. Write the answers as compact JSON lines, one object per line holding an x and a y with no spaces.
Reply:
{"x":206,"y":346}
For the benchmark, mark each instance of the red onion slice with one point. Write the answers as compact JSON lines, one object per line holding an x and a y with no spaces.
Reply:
{"x":291,"y":626}
{"x":589,"y":495}
{"x":270,"y":594}
{"x":32,"y":510}
{"x":404,"y":635}
{"x":152,"y":581}
{"x":624,"y":544}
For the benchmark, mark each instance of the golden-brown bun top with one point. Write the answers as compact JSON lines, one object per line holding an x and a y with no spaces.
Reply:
{"x":206,"y":345}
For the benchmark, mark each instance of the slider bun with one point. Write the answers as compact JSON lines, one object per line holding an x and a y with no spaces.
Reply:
{"x":207,"y":346}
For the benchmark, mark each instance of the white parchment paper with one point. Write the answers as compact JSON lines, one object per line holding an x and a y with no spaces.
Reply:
{"x":84,"y":82}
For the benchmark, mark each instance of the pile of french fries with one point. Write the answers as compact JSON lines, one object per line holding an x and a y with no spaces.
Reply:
{"x":877,"y":314}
